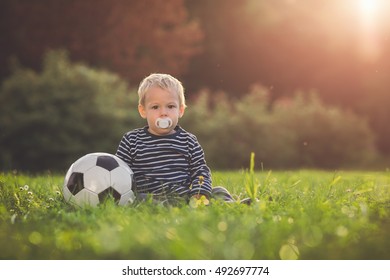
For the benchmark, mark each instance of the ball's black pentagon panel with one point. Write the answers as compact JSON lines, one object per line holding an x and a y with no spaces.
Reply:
{"x":76,"y":182}
{"x":109,"y":192}
{"x":107,"y":162}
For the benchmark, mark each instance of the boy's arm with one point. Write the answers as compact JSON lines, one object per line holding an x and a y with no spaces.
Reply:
{"x":123,"y":151}
{"x":201,"y":183}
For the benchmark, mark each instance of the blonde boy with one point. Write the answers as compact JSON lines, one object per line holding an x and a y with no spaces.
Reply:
{"x":168,"y":162}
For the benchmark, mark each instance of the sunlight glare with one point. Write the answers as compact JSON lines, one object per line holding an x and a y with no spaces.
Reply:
{"x":369,"y":38}
{"x":368,"y":7}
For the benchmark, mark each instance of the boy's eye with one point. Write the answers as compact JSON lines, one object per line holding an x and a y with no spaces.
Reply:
{"x":171,"y":106}
{"x":155,"y":107}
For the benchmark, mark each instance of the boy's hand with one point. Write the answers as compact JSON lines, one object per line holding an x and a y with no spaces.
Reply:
{"x":198,"y":199}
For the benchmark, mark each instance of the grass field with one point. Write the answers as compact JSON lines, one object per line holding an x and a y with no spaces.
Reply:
{"x":300,"y":215}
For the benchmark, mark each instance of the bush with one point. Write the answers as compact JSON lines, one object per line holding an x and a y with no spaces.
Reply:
{"x":49,"y":119}
{"x":291,"y":133}
{"x":326,"y":137}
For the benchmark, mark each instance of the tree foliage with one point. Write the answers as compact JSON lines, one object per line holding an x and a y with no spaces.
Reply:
{"x":225,"y":45}
{"x":293,"y":45}
{"x":292,"y":133}
{"x":49,"y":119}
{"x":132,"y":38}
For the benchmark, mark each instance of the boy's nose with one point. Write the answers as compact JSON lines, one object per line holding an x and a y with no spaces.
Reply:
{"x":163,"y":112}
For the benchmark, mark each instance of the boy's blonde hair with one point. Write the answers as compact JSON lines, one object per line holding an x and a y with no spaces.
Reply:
{"x":164,"y":81}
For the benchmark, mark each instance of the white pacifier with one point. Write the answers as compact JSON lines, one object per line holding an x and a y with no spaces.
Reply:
{"x":163,"y":123}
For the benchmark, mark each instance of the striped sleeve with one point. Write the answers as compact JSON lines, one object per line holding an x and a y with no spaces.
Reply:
{"x":126,"y":148}
{"x":200,"y":173}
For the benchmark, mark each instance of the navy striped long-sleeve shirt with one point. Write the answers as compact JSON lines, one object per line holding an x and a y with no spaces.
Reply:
{"x":166,"y":166}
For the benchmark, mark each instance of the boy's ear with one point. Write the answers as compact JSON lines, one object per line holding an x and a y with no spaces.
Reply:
{"x":181,"y":111}
{"x":141,"y":110}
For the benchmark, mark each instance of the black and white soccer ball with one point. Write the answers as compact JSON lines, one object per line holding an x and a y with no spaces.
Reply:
{"x":96,"y":176}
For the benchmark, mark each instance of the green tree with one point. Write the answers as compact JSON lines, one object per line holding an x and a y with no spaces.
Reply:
{"x":325,"y":136}
{"x":291,"y":133}
{"x":49,"y":119}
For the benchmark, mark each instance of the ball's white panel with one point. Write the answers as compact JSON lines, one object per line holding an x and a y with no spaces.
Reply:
{"x":121,"y":180}
{"x":67,"y":194}
{"x":68,"y":173}
{"x":127,"y":198}
{"x":84,"y":163}
{"x":97,"y":179}
{"x":124,"y":165}
{"x":86,"y":197}
{"x":101,"y":154}
{"x":66,"y":179}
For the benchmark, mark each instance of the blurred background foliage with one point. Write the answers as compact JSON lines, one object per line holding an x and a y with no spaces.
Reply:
{"x":50,"y":118}
{"x":300,"y":83}
{"x":293,"y":133}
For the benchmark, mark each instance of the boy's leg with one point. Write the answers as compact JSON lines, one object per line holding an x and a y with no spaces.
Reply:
{"x":221,"y":193}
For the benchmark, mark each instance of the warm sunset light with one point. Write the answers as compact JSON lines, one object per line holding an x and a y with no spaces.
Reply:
{"x":369,"y":7}
{"x":369,"y":21}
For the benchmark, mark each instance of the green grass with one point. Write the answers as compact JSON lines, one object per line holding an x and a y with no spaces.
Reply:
{"x":300,"y":215}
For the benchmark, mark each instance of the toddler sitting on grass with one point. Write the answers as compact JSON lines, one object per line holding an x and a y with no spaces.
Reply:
{"x":168,"y":162}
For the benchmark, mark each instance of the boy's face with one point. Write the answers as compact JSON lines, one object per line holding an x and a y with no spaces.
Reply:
{"x":160,"y":103}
